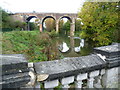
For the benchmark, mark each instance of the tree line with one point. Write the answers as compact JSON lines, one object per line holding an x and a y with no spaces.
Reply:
{"x":9,"y":23}
{"x":100,"y":22}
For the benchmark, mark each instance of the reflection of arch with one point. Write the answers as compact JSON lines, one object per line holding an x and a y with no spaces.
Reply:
{"x":30,"y":17}
{"x":64,"y":48}
{"x":77,"y":49}
{"x":66,"y":51}
{"x":42,"y":21}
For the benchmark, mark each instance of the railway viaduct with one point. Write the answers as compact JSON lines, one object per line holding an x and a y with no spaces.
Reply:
{"x":26,"y":17}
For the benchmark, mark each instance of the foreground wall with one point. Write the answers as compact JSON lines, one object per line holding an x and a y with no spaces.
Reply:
{"x":98,"y":70}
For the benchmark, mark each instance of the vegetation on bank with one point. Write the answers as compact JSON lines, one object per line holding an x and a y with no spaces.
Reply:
{"x":100,"y":22}
{"x":35,"y":45}
{"x":9,"y":23}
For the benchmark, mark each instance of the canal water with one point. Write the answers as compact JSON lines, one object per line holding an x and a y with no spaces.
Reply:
{"x":67,"y":46}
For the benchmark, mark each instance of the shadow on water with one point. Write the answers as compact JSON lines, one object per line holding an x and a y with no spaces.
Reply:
{"x":66,"y":46}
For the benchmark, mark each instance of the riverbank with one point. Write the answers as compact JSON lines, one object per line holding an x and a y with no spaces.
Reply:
{"x":33,"y":44}
{"x":45,"y":46}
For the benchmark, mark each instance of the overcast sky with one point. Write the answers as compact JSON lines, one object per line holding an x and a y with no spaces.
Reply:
{"x":59,"y":6}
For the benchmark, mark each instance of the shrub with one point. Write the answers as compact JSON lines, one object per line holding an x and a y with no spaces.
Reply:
{"x":53,"y":34}
{"x":26,"y":42}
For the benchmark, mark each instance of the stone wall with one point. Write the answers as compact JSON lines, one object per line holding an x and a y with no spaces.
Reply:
{"x":15,"y":71}
{"x":100,"y":70}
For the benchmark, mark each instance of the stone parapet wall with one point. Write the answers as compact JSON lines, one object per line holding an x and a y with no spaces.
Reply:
{"x":100,"y":69}
{"x":15,"y":71}
{"x":69,"y":66}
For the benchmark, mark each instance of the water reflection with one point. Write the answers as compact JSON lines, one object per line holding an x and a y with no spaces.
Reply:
{"x":64,"y":47}
{"x":77,"y":49}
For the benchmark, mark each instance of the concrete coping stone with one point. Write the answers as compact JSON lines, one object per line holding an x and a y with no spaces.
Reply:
{"x":69,"y":66}
{"x":14,"y":70}
{"x":12,"y":63}
{"x":109,"y":51}
{"x":11,"y":59}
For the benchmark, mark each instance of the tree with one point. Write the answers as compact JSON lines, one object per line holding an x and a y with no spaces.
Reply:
{"x":6,"y":20}
{"x":78,"y":25}
{"x":61,"y":22}
{"x":33,"y":26}
{"x":50,"y":24}
{"x":66,"y":27}
{"x":37,"y":21}
{"x":100,"y":21}
{"x":9,"y":23}
{"x":0,"y":17}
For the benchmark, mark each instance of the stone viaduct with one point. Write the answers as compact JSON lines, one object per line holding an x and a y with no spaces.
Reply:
{"x":26,"y":17}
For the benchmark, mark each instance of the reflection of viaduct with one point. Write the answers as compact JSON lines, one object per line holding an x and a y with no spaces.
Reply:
{"x":72,"y":49}
{"x":25,"y":17}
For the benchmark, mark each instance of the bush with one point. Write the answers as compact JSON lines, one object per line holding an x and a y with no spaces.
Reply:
{"x":35,"y":45}
{"x":53,"y":34}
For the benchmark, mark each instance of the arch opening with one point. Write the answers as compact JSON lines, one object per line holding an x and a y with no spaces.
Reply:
{"x":29,"y":18}
{"x":32,"y":23}
{"x":67,"y":17}
{"x":65,"y":25}
{"x":48,"y":23}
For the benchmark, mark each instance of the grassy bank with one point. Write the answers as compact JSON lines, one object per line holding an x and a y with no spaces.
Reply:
{"x":33,"y":44}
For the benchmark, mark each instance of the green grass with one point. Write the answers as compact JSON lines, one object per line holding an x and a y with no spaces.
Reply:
{"x":32,"y":44}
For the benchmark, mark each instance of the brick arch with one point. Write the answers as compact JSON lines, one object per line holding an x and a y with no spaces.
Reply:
{"x":44,"y":18}
{"x":68,"y":17}
{"x":30,"y":17}
{"x":64,"y":16}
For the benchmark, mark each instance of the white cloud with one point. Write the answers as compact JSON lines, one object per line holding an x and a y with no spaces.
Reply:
{"x":62,"y":6}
